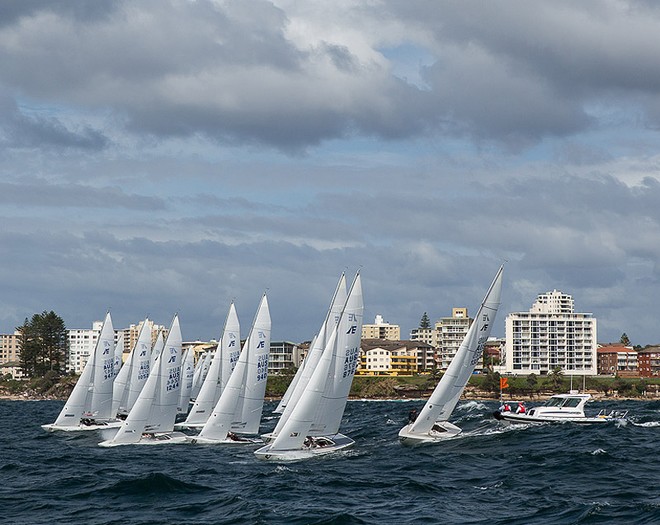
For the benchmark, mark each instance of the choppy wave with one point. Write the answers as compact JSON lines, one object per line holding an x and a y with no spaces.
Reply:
{"x":493,"y":474}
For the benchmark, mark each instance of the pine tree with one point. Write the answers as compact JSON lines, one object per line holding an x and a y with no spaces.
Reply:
{"x":624,"y":339}
{"x":43,"y":344}
{"x":425,"y":322}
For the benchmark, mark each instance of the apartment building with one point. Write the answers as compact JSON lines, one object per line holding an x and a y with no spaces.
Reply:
{"x":283,"y":355}
{"x":451,"y":332}
{"x":381,"y":330}
{"x":617,"y":360}
{"x":10,"y":355}
{"x":132,"y":333}
{"x":648,"y":361}
{"x":551,"y":334}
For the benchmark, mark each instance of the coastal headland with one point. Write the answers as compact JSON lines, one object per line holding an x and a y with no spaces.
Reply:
{"x":400,"y":387}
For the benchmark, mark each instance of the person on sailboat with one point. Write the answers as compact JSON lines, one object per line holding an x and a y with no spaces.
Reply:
{"x":412,"y":416}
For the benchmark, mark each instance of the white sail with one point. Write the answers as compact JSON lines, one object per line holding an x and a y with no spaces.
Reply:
{"x":241,"y":401}
{"x":120,"y":385}
{"x":321,"y":406}
{"x":140,"y":366}
{"x":79,"y":403}
{"x":119,"y":354}
{"x":201,"y":371}
{"x":306,"y":368}
{"x":104,"y":373}
{"x":187,"y":373}
{"x":222,"y":364}
{"x":448,"y":391}
{"x":315,"y":352}
{"x":155,"y":409}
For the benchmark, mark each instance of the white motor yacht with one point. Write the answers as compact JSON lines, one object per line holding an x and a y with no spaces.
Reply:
{"x":557,"y":409}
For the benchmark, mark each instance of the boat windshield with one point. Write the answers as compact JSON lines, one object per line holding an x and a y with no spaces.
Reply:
{"x":572,"y":402}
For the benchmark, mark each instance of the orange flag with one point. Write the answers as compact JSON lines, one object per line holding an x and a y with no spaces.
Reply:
{"x":504,"y":383}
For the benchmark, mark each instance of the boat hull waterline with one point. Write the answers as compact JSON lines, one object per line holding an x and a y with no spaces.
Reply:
{"x":83,"y":427}
{"x":320,"y":446}
{"x":441,"y":431}
{"x":158,"y":438}
{"x":526,"y":418}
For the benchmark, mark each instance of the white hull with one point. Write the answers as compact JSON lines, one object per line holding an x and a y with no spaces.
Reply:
{"x":238,"y":440}
{"x":184,"y":426}
{"x":560,"y":408}
{"x":82,"y":428}
{"x":337,"y":442}
{"x":159,"y":438}
{"x":524,"y":418}
{"x":441,"y":431}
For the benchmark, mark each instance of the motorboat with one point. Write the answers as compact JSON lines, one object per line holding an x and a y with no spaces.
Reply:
{"x":558,"y":409}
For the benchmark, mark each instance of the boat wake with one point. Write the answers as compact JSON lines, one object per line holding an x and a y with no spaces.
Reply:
{"x":646,"y":424}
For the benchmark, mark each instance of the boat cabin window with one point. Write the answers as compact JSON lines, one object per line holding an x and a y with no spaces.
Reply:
{"x":572,"y":402}
{"x":554,"y":402}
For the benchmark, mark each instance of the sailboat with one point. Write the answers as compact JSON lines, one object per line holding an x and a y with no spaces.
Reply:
{"x":305,"y":371}
{"x":89,"y":406}
{"x":119,"y":353}
{"x":187,"y":373}
{"x":312,"y":426}
{"x":151,"y":420}
{"x":237,"y":414}
{"x":133,"y":375}
{"x":315,"y":349}
{"x":222,"y":365}
{"x":201,"y":371}
{"x":432,"y":424}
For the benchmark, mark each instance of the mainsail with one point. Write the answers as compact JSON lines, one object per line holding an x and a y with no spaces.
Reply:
{"x":448,"y":391}
{"x":241,"y":402}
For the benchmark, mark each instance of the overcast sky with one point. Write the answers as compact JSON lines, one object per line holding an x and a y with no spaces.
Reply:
{"x":170,"y":156}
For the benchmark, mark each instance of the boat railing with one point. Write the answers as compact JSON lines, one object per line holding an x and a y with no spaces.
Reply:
{"x":613,"y":414}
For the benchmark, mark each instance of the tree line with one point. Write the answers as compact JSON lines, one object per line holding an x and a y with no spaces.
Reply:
{"x":43,"y":343}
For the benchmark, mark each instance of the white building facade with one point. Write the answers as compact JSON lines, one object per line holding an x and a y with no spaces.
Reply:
{"x":452,"y":331}
{"x":81,"y":345}
{"x":551,"y":335}
{"x":381,"y":330}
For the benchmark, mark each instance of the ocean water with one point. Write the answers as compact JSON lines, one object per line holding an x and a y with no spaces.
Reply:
{"x":548,"y":474}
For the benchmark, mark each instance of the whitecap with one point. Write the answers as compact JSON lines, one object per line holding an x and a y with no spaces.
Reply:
{"x":647,"y":424}
{"x":598,"y":452}
{"x":472,"y":405}
{"x":490,"y":487}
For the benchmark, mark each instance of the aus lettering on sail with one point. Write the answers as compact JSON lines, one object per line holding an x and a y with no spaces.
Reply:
{"x":479,"y":350}
{"x":262,"y":360}
{"x":173,"y":373}
{"x":351,"y":360}
{"x":108,"y":362}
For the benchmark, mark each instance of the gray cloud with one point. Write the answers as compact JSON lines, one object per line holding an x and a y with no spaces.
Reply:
{"x":170,"y":156}
{"x":238,"y":72}
{"x":40,"y":193}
